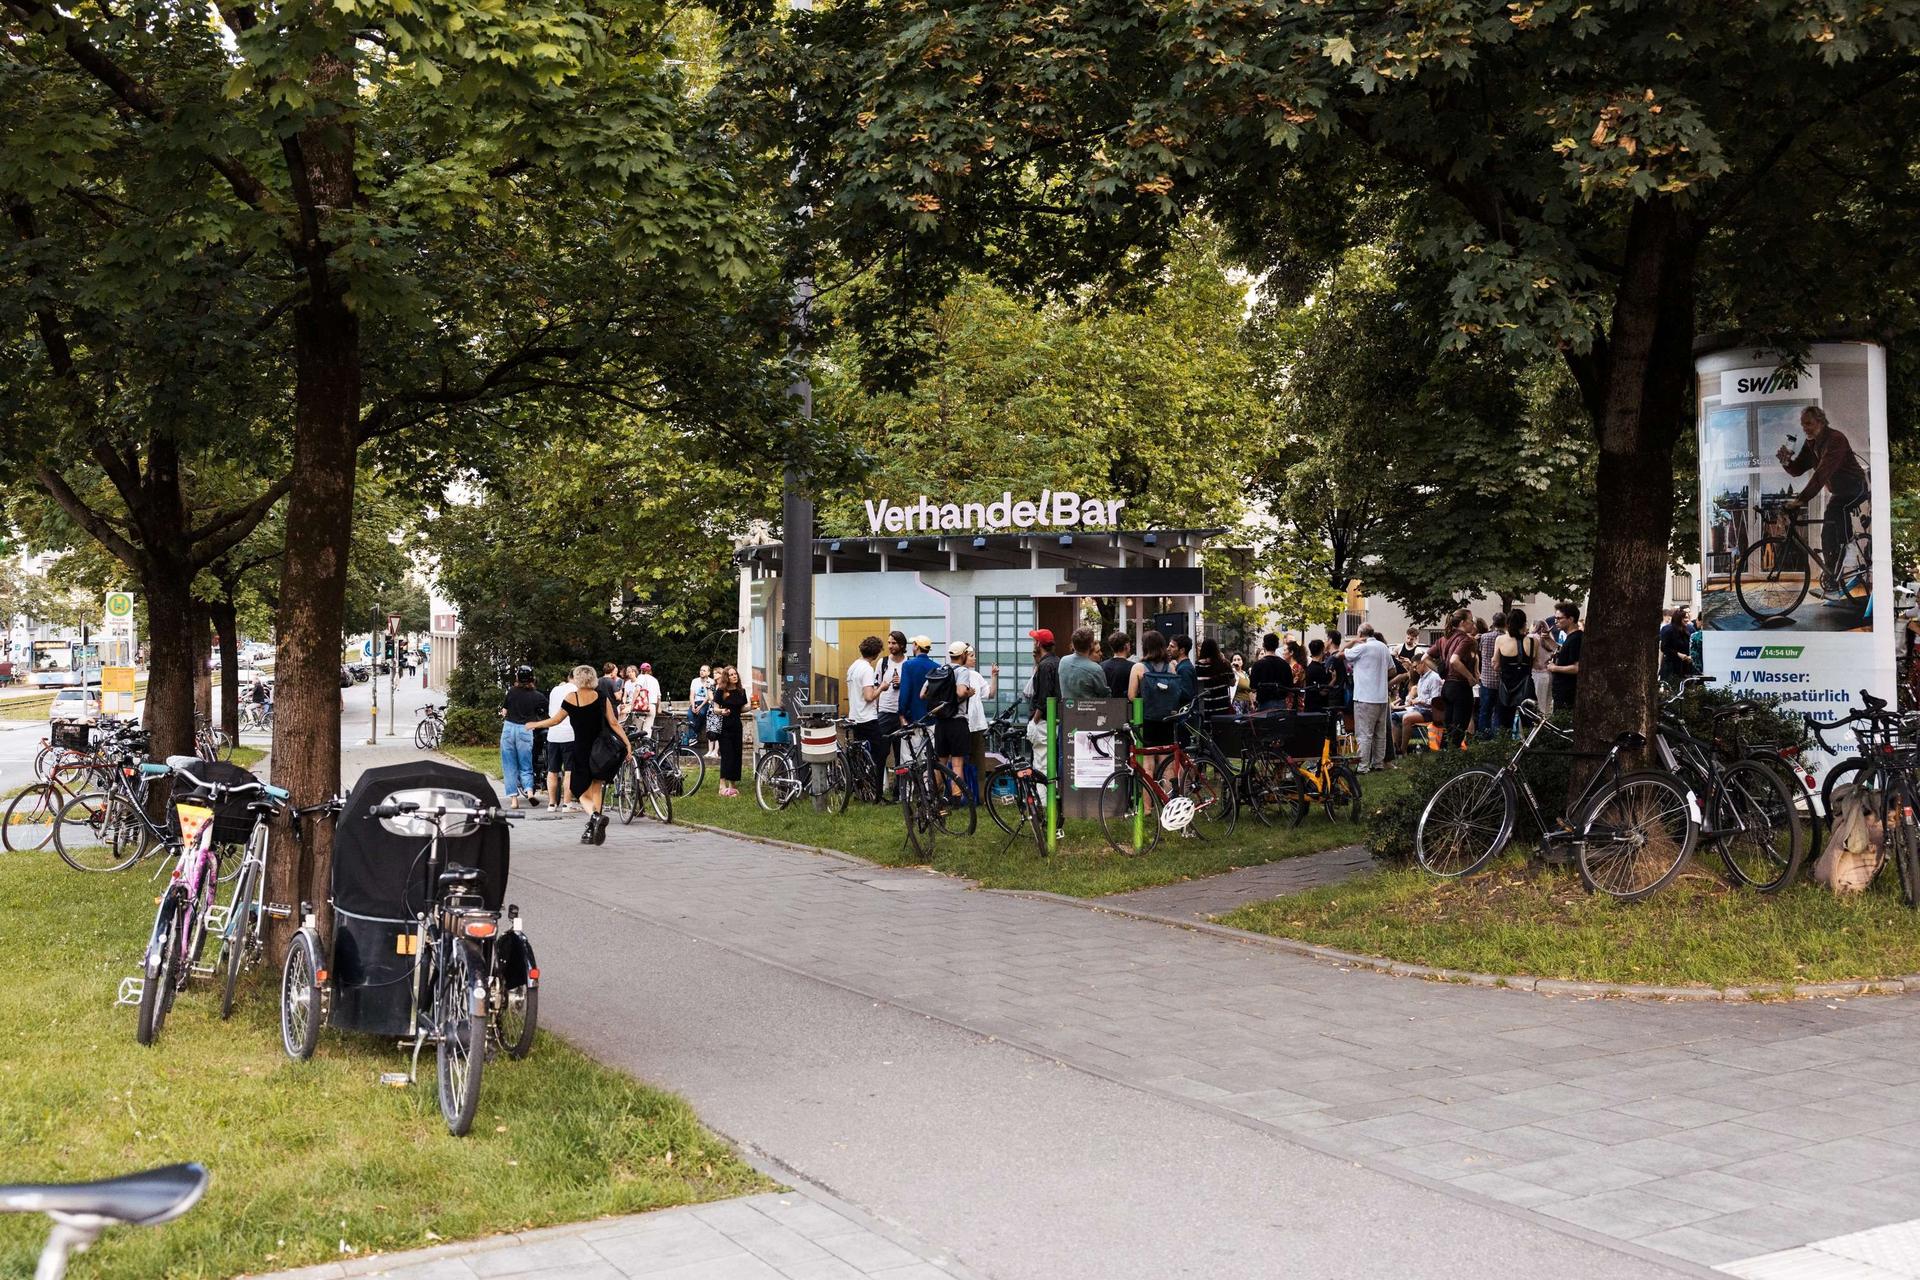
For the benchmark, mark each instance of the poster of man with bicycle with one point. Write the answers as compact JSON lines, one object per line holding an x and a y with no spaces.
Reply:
{"x":1796,"y":592}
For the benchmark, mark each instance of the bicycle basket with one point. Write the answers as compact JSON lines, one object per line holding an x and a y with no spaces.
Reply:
{"x":74,"y":735}
{"x":231,"y":821}
{"x":770,"y":727}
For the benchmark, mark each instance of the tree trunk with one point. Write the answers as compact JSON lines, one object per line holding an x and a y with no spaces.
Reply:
{"x":1641,"y":415}
{"x":201,"y":635}
{"x":226,"y":628}
{"x":313,"y":588}
{"x":170,"y":673}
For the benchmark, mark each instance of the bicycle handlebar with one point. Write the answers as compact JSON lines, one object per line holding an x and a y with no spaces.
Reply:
{"x":219,"y":789}
{"x":436,"y":813}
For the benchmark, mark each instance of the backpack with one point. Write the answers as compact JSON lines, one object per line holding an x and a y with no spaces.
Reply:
{"x":941,"y":693}
{"x":643,"y":701}
{"x":1161,"y":692}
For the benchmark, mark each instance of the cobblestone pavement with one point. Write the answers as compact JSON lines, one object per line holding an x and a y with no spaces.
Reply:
{"x":1215,"y":895}
{"x":779,"y":1236}
{"x":1710,"y":1133}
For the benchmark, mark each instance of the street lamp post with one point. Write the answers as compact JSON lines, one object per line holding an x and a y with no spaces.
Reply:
{"x":373,"y":682}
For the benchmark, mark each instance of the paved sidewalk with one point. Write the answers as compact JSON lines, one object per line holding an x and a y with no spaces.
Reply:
{"x":778,"y":1236}
{"x":1215,"y":895}
{"x":1709,"y":1133}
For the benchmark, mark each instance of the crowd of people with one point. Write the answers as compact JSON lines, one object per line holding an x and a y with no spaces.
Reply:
{"x":619,"y":703}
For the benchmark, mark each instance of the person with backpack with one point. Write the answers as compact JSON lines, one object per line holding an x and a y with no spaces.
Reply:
{"x":913,"y":680}
{"x":944,"y":694}
{"x":1513,"y":655}
{"x":1161,"y":691}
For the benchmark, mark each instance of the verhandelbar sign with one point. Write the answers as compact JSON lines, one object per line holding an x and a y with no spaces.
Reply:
{"x":1052,"y":511}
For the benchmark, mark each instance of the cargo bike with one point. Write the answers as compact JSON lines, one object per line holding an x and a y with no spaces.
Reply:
{"x":422,"y":949}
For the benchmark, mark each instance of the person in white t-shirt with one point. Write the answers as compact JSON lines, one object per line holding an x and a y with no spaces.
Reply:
{"x":559,"y":749}
{"x":1368,"y":663}
{"x":863,"y":698}
{"x":646,"y":701}
{"x":888,"y":672}
{"x":970,"y":676}
{"x":1423,"y":708}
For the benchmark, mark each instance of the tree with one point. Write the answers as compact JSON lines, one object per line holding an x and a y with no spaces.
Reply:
{"x":1146,"y":397}
{"x":1429,"y":472}
{"x":1588,"y":173}
{"x":425,"y":212}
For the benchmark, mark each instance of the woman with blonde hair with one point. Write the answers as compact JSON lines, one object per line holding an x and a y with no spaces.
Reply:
{"x":590,"y":716}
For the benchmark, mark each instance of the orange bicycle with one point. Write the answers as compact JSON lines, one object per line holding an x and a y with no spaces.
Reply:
{"x":1187,"y":795}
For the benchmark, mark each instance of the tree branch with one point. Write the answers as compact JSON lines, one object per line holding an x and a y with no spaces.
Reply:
{"x":92,"y":521}
{"x":130,"y":91}
{"x":228,"y":529}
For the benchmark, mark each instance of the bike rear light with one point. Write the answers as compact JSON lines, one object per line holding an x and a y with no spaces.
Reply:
{"x":319,"y":975}
{"x":478,"y":928}
{"x":534,"y":974}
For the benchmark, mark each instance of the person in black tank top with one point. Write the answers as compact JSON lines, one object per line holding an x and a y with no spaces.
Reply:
{"x":591,"y":716}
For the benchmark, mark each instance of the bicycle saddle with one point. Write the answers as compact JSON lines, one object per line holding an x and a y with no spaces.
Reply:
{"x":1630,"y":740}
{"x":458,"y":874}
{"x":1735,"y":711}
{"x":144,"y":1199}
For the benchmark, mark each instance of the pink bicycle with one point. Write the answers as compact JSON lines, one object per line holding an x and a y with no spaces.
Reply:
{"x":188,"y":910}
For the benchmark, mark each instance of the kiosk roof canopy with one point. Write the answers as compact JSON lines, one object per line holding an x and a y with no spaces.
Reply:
{"x":973,"y":552}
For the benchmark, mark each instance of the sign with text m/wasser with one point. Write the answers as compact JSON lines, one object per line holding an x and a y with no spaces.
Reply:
{"x":1052,"y":511}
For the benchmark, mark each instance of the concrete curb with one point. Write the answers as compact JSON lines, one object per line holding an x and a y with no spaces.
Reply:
{"x":1540,"y":986}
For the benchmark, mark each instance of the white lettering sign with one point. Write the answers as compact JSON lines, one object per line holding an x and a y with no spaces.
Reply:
{"x":1051,"y":511}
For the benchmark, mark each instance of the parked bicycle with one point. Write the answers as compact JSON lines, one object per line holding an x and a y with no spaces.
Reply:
{"x":1630,"y":830}
{"x":29,"y":822}
{"x":933,"y":801}
{"x":82,"y":1211}
{"x":243,"y":939}
{"x":1887,"y":774}
{"x":422,"y":948}
{"x":1746,"y":809}
{"x":432,"y":728}
{"x":187,"y":909}
{"x":1278,"y":785}
{"x":1161,"y":788}
{"x":641,"y":783}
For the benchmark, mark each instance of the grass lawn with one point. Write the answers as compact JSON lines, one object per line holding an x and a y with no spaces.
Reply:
{"x":310,"y":1160}
{"x":1084,"y":866}
{"x":1696,"y":932}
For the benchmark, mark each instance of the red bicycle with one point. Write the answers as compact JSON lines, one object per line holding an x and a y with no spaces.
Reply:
{"x":1190,"y":796}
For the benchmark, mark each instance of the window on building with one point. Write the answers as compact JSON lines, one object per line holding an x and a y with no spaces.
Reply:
{"x":1000,"y":631}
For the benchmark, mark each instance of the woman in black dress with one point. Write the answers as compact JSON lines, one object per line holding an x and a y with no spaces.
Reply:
{"x":590,"y":715}
{"x":730,"y":700}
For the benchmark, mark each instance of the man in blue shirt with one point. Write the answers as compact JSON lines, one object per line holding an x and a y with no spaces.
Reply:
{"x":1180,"y":649}
{"x":913,"y":674}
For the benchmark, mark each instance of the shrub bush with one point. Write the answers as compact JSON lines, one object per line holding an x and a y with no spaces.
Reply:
{"x":472,"y":727}
{"x":1391,"y":824}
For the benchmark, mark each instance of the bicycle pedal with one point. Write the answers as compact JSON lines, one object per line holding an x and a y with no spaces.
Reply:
{"x":280,"y":911}
{"x":201,"y":970}
{"x":217,"y":917}
{"x":130,"y":990}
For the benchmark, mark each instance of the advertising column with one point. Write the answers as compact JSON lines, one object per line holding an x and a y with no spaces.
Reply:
{"x":1795,"y":551}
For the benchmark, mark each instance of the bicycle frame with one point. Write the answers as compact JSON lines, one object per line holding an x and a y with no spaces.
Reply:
{"x":1608,"y":770}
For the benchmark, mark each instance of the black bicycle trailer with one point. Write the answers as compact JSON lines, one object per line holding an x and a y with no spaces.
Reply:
{"x":390,"y":877}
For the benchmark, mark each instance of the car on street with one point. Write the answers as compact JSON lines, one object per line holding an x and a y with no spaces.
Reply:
{"x":74,"y":704}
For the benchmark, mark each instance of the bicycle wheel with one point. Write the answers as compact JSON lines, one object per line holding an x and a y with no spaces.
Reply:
{"x":1209,"y":785}
{"x":462,"y":1047}
{"x":774,"y":782}
{"x":237,"y":941}
{"x":655,"y":788}
{"x":1903,"y":849}
{"x":1002,"y":799}
{"x":421,"y":739}
{"x":1341,"y":799}
{"x":918,"y":810}
{"x":95,"y":832}
{"x":693,"y":770}
{"x":156,"y":989}
{"x":1765,"y":840}
{"x":519,"y":1017}
{"x":1465,"y":825}
{"x":628,"y":803}
{"x":953,"y":806}
{"x":228,"y":858}
{"x":1765,"y":581}
{"x":1127,"y":803}
{"x":1854,"y":771}
{"x":28,"y":825}
{"x":1274,"y":789}
{"x":1636,"y":835}
{"x":300,"y":996}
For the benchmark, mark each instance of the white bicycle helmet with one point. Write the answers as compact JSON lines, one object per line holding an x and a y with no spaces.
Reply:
{"x":1178,"y":814}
